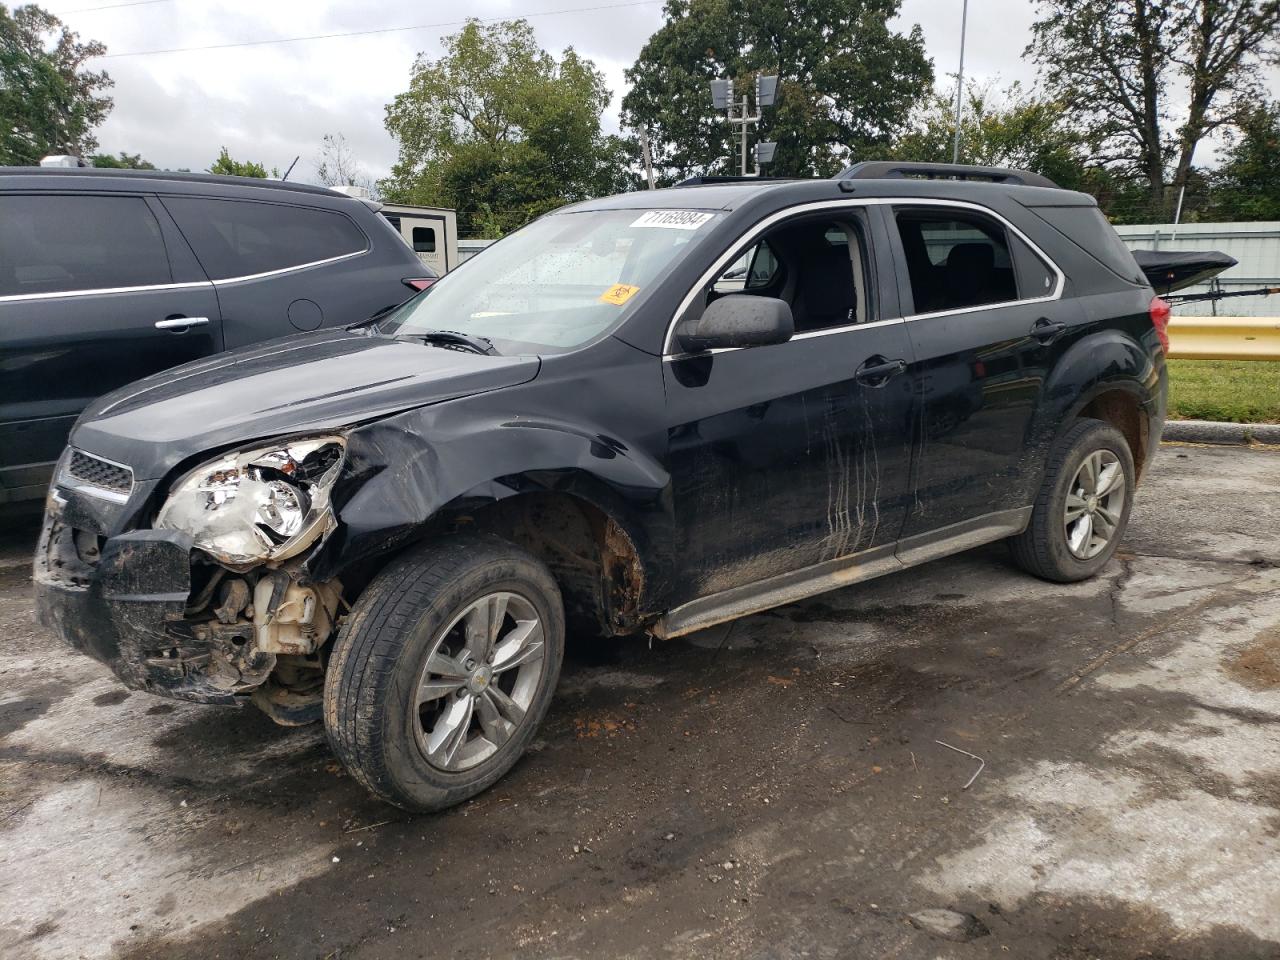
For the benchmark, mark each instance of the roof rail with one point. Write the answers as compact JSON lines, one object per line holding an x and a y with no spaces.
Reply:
{"x":703,"y":180}
{"x":892,"y":170}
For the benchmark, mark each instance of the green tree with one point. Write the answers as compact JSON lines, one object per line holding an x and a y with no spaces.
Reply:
{"x":501,"y":130}
{"x":228,"y":167}
{"x":848,"y":82}
{"x":49,"y":104}
{"x":1247,"y":184}
{"x":1000,"y":128}
{"x":125,"y":161}
{"x":1152,"y":78}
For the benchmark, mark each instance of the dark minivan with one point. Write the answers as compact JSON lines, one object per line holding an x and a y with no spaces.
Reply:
{"x":646,"y":413}
{"x":107,"y":276}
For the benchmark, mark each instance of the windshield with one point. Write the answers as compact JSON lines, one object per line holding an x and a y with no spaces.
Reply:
{"x":558,"y":283}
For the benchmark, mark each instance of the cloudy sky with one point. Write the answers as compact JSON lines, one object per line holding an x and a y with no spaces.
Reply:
{"x":271,"y":102}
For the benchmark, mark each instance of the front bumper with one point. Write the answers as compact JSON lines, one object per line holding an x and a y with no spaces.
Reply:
{"x":121,"y":600}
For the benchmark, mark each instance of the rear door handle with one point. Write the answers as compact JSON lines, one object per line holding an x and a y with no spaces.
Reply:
{"x":181,"y":323}
{"x":1047,"y":331}
{"x":877,"y":371}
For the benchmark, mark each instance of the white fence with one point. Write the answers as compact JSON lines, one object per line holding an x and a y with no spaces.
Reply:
{"x":469,"y":248}
{"x":1255,"y":245}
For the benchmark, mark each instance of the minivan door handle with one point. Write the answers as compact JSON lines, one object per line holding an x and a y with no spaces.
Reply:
{"x":1047,"y":331}
{"x":181,"y":323}
{"x":877,"y":371}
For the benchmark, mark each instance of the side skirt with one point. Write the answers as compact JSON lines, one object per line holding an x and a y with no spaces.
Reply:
{"x":841,"y":572}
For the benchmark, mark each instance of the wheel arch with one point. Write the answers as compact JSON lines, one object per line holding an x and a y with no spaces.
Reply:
{"x":596,"y":510}
{"x":1110,"y":377}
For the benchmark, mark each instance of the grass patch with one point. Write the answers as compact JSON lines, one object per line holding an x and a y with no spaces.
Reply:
{"x":1237,"y":391}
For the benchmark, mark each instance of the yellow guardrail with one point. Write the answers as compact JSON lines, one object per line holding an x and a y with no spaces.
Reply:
{"x":1224,"y":338}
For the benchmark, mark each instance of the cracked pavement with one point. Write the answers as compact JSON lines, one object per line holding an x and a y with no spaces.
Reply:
{"x":769,"y":788}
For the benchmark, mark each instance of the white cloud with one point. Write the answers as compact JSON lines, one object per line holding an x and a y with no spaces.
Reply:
{"x":273,"y":102}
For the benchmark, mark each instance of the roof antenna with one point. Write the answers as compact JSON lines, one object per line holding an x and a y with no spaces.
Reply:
{"x":291,"y":166}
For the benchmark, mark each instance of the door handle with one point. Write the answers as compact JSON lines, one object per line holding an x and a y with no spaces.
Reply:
{"x":877,"y":371}
{"x":1047,"y":331}
{"x":181,"y":323}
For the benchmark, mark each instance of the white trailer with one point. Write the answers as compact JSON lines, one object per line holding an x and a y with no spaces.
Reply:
{"x":431,"y":231}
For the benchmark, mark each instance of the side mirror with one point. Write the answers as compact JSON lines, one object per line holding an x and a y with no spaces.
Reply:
{"x":738,"y":321}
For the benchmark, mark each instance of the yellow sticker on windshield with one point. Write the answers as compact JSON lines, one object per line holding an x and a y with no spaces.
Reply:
{"x":619,"y":294}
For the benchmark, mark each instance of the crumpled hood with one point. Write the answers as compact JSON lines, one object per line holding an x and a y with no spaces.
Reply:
{"x":298,"y":384}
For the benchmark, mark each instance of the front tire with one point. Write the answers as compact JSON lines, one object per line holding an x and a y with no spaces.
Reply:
{"x":439,"y":679}
{"x":1082,"y":508}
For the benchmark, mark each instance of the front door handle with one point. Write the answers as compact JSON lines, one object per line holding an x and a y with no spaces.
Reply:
{"x":1047,"y":331}
{"x":180,"y":323}
{"x":877,"y":371}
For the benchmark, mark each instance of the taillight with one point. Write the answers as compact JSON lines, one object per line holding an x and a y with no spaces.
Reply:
{"x":420,"y":283}
{"x":1160,"y":311}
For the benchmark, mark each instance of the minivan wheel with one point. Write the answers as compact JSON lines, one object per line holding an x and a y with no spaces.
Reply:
{"x":1083,"y":505}
{"x":446,"y":667}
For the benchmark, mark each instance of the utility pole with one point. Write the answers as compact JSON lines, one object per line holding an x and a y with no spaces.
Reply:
{"x":722,"y":98}
{"x":964,"y":23}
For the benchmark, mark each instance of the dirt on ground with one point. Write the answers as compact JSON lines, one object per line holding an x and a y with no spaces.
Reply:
{"x":956,"y":761}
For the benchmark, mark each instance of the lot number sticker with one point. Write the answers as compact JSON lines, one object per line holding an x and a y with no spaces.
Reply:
{"x":619,"y":294}
{"x":673,"y":219}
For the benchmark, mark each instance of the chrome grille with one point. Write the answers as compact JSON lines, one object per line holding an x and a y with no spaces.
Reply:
{"x":99,"y":473}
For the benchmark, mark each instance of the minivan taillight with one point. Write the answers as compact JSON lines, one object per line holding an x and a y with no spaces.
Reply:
{"x":420,"y":283}
{"x":1160,"y":311}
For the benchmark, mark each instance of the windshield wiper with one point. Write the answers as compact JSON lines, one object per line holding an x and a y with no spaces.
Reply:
{"x":454,"y":340}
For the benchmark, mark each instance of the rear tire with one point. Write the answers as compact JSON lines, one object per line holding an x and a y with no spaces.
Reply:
{"x":1082,"y":508}
{"x":439,"y":679}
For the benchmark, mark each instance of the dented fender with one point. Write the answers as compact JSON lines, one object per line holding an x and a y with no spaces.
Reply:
{"x":409,"y":472}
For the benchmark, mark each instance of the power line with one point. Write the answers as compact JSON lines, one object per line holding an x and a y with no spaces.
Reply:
{"x":111,"y":6}
{"x":367,"y":33}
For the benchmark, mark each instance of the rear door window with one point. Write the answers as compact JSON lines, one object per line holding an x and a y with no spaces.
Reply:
{"x":241,"y":238}
{"x":956,"y":260}
{"x":64,"y":243}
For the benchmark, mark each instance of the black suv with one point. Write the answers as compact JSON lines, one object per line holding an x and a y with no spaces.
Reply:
{"x":652,"y":412}
{"x":110,"y":275}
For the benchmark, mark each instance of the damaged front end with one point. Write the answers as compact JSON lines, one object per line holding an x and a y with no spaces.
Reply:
{"x":210,"y":604}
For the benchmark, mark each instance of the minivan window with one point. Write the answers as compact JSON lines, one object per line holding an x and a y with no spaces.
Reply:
{"x":240,"y":238}
{"x":955,"y":261}
{"x":63,"y":243}
{"x":559,"y":282}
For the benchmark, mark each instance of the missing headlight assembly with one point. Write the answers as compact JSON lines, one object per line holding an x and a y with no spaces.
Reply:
{"x":258,"y":628}
{"x":260,"y":505}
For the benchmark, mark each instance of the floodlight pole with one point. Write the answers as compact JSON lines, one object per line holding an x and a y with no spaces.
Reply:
{"x":723,"y":99}
{"x":964,"y":23}
{"x":744,"y":119}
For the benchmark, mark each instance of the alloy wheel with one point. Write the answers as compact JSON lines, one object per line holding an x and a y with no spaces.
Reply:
{"x":478,"y":682}
{"x":1095,"y":504}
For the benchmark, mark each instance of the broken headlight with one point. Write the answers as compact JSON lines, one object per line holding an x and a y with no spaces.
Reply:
{"x":251,"y":506}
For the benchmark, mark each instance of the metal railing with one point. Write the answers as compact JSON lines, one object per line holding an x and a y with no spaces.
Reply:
{"x":1224,"y":338}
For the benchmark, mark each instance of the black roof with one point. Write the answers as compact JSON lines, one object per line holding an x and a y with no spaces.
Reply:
{"x":204,"y":179}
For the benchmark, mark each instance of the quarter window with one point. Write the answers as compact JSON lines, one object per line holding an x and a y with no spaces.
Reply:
{"x":60,"y":244}
{"x":956,"y":261}
{"x":239,"y":238}
{"x":1035,"y":277}
{"x":754,"y":270}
